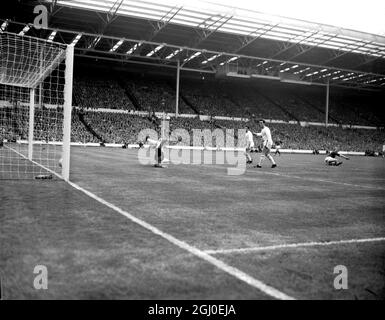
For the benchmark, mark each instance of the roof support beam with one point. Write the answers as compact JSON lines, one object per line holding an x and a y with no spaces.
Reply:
{"x":366,"y":60}
{"x":291,"y":45}
{"x":338,"y":54}
{"x":159,"y":25}
{"x":224,"y":56}
{"x":110,"y":17}
{"x":208,"y":27}
{"x":246,"y":41}
{"x":54,"y":9}
{"x":300,"y":48}
{"x":123,"y":60}
{"x":249,"y":39}
{"x":307,"y":48}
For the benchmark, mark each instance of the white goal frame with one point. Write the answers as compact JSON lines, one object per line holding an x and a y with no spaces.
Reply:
{"x":36,"y":75}
{"x":67,"y":109}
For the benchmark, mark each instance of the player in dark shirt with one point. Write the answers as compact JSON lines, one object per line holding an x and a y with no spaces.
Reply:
{"x":158,"y":145}
{"x":278,"y":146}
{"x":331,"y":159}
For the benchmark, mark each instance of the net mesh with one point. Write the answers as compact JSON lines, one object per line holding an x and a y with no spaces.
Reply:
{"x":32,"y":73}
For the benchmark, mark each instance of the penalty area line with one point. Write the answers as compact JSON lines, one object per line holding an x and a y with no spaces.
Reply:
{"x":320,"y":180}
{"x":288,"y":176}
{"x":234,"y":272}
{"x":240,"y":275}
{"x":293,"y":245}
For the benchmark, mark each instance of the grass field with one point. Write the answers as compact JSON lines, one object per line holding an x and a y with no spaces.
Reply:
{"x":199,"y":233}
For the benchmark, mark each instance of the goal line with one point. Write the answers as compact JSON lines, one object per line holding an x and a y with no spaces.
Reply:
{"x":35,"y":105}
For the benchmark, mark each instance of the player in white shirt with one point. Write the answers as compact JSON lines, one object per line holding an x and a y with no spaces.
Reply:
{"x":267,"y":144}
{"x":249,"y":144}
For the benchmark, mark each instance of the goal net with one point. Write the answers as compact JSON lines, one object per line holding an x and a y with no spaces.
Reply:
{"x":35,"y":107}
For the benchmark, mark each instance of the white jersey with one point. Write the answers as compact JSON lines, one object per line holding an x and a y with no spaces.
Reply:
{"x":330,"y":159}
{"x":266,"y":137}
{"x":154,"y":143}
{"x":249,"y":139}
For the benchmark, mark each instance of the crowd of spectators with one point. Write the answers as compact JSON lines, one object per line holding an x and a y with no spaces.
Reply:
{"x":322,"y":138}
{"x":233,"y":99}
{"x":208,"y":99}
{"x":155,"y":95}
{"x":295,"y":136}
{"x":123,"y":128}
{"x":252,"y":104}
{"x":117,"y":127}
{"x":47,"y":124}
{"x":347,"y":109}
{"x":93,"y":93}
{"x":201,"y":97}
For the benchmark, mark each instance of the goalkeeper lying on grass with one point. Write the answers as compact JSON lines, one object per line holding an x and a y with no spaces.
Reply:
{"x":331,"y":158}
{"x":159,"y":145}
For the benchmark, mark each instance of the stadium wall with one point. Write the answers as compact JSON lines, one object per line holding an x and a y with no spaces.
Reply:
{"x":136,"y":146}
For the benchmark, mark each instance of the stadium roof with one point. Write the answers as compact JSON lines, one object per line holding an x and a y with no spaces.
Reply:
{"x":241,"y":22}
{"x":238,"y":41}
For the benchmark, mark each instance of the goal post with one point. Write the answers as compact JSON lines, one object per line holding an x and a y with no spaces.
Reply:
{"x":31,"y":123}
{"x":35,"y":107}
{"x":67,"y":112}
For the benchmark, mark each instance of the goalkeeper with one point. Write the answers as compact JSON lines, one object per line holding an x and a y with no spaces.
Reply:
{"x":331,"y":158}
{"x":158,"y":145}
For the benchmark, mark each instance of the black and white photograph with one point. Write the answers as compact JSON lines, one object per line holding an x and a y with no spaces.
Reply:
{"x":188,"y":156}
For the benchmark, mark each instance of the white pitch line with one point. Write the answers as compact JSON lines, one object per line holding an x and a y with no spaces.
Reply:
{"x":301,"y":178}
{"x":294,"y":177}
{"x":284,"y":175}
{"x":268,"y":290}
{"x":34,"y":162}
{"x":321,"y":180}
{"x":293,"y":245}
{"x":290,"y":176}
{"x":240,"y":275}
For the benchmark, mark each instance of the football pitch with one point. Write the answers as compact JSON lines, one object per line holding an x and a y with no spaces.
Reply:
{"x":123,"y":230}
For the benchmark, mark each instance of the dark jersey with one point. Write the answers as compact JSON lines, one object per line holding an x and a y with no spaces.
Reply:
{"x":334,"y":154}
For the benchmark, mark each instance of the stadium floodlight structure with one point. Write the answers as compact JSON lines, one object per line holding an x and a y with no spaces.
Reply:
{"x":35,"y":107}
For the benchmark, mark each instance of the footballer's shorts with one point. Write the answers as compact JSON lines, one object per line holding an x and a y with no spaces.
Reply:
{"x":267,"y":147}
{"x":158,"y":155}
{"x":249,"y":146}
{"x":330,"y":160}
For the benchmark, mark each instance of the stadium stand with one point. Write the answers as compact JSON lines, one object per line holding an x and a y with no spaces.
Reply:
{"x":124,"y":128}
{"x":213,"y":98}
{"x":154,"y":95}
{"x":92,"y":93}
